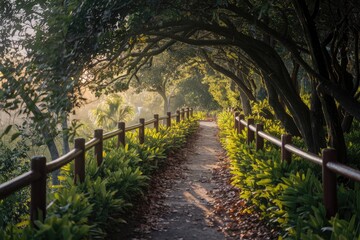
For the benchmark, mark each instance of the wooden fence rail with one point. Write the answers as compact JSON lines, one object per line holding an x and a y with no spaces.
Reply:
{"x":328,"y":159}
{"x":36,"y":177}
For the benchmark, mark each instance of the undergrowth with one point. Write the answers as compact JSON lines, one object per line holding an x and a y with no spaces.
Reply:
{"x":288,"y":196}
{"x":92,"y":209}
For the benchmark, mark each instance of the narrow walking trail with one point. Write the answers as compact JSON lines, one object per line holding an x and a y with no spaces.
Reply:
{"x":192,"y":198}
{"x":189,"y":202}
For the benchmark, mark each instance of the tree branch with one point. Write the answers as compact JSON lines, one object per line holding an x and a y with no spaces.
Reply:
{"x":230,"y":75}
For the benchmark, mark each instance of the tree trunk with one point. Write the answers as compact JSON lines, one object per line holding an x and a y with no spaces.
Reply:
{"x":317,"y":120}
{"x":65,"y":134}
{"x":165,"y":100}
{"x":48,"y":138}
{"x":347,"y":122}
{"x":275,"y":101}
{"x":273,"y":66}
{"x":54,"y":153}
{"x":280,"y":113}
{"x":294,"y":76}
{"x":245,"y":103}
{"x":331,"y":116}
{"x":335,"y":133}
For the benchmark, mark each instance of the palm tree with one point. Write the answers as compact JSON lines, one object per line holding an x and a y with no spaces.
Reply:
{"x":112,"y":110}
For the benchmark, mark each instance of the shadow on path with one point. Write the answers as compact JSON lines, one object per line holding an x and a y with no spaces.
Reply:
{"x":189,"y":203}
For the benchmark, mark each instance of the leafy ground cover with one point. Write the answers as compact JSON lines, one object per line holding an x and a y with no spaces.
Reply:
{"x":288,"y":195}
{"x":92,"y":209}
{"x":229,"y":207}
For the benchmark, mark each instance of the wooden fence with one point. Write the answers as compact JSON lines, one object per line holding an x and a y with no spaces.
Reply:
{"x":37,"y":176}
{"x":328,"y":160}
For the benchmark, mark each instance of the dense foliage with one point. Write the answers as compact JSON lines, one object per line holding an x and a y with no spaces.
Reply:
{"x":92,"y":209}
{"x":287,"y":195}
{"x":13,"y":162}
{"x":51,"y":50}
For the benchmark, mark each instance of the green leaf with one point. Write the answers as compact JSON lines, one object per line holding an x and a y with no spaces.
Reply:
{"x":15,"y":136}
{"x":6,"y":131}
{"x":264,"y":182}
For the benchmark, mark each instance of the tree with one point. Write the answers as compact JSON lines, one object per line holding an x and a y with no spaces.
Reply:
{"x":37,"y":71}
{"x":117,"y":40}
{"x":194,"y":91}
{"x":162,"y":75}
{"x":111,"y":111}
{"x":192,"y":25}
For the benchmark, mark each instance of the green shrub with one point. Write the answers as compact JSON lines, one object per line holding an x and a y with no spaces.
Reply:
{"x":67,"y":218}
{"x":107,"y":209}
{"x":288,"y":195}
{"x":96,"y":206}
{"x":13,"y":163}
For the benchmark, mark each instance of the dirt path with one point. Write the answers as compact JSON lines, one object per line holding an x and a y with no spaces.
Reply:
{"x":192,"y":198}
{"x":189,"y":203}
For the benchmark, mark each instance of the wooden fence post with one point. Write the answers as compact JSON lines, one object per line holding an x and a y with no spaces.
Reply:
{"x":250,"y":134}
{"x":259,"y":140}
{"x":38,"y":190}
{"x":168,"y":120}
{"x":236,"y":121}
{"x":156,"y":122}
{"x":80,"y":161}
{"x":187,"y":111}
{"x":329,"y":182}
{"x":121,"y":136}
{"x":191,"y":112}
{"x":182,"y":114}
{"x":177,"y":116}
{"x":142,"y":130}
{"x":285,"y":155}
{"x":241,"y":126}
{"x":98,"y":150}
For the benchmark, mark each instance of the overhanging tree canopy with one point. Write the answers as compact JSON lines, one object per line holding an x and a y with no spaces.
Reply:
{"x":112,"y":40}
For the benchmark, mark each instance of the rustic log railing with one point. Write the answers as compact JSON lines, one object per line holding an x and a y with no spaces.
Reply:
{"x":36,"y":177}
{"x":328,"y":159}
